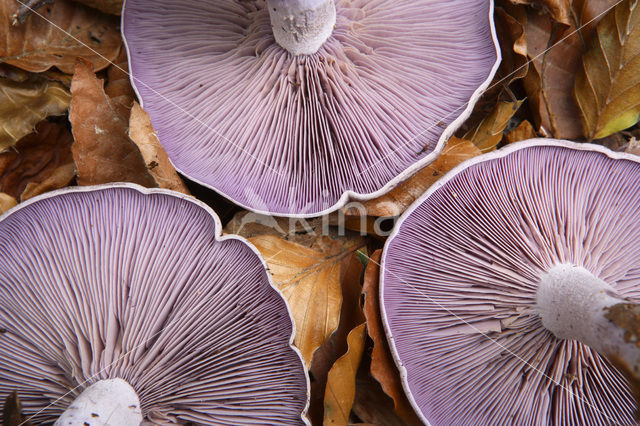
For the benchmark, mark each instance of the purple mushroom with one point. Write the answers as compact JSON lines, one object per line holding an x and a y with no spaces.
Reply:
{"x":133,"y":296}
{"x":500,"y":284}
{"x":292,"y":107}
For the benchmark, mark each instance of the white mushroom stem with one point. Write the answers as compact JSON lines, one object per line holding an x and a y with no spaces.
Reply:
{"x":302,"y":26}
{"x":574,"y":304}
{"x":107,"y":402}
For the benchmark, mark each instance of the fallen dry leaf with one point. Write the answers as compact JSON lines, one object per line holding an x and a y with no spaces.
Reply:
{"x":6,"y":202}
{"x":383,"y":368}
{"x":560,"y":10}
{"x":371,"y":404}
{"x":40,"y":162}
{"x":141,"y":132}
{"x":488,"y":133}
{"x":607,"y":87}
{"x":113,"y":7}
{"x":351,"y":316}
{"x":513,"y":45}
{"x":341,"y":384}
{"x":310,"y":281}
{"x":118,"y":85}
{"x":394,"y":202}
{"x":56,"y":35}
{"x":523,"y":131}
{"x":307,"y":268}
{"x":555,"y":50}
{"x":102,"y":150}
{"x":26,"y":103}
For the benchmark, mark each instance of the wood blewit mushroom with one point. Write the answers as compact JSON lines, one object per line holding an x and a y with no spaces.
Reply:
{"x":120,"y":304}
{"x":511,"y":286}
{"x":293,"y":107}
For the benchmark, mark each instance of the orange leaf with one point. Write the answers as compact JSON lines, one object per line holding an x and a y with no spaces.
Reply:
{"x":520,"y":133}
{"x":341,"y":383}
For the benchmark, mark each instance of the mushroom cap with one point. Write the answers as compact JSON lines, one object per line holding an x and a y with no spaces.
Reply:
{"x":460,"y":274}
{"x":300,"y":135}
{"x":118,"y":281}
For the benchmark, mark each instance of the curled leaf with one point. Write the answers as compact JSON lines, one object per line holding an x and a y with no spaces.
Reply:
{"x":554,"y":50}
{"x":24,"y":104}
{"x":607,"y":87}
{"x":57,"y":35}
{"x":40,"y":162}
{"x":341,"y":383}
{"x":488,"y":133}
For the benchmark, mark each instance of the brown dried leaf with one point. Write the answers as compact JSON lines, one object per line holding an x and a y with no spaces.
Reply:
{"x":308,"y":267}
{"x":488,"y":133}
{"x":57,"y":35}
{"x":522,"y":132}
{"x":40,"y":162}
{"x":118,"y":85}
{"x":371,"y":404}
{"x":383,"y":368}
{"x":24,"y":104}
{"x":113,"y":7}
{"x":555,"y":51}
{"x":341,"y":382}
{"x":102,"y":150}
{"x":6,"y":202}
{"x":141,"y":132}
{"x":350,"y":316}
{"x":310,"y":281}
{"x":510,"y":21}
{"x":560,"y":10}
{"x":607,"y":87}
{"x":398,"y":199}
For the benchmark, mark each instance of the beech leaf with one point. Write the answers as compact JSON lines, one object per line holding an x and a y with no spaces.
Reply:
{"x":607,"y":87}
{"x":307,"y":268}
{"x":102,"y":150}
{"x":24,"y":104}
{"x":141,"y":132}
{"x":56,"y":35}
{"x":523,"y":131}
{"x":40,"y":162}
{"x":555,"y":50}
{"x":488,"y":133}
{"x":341,"y":383}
